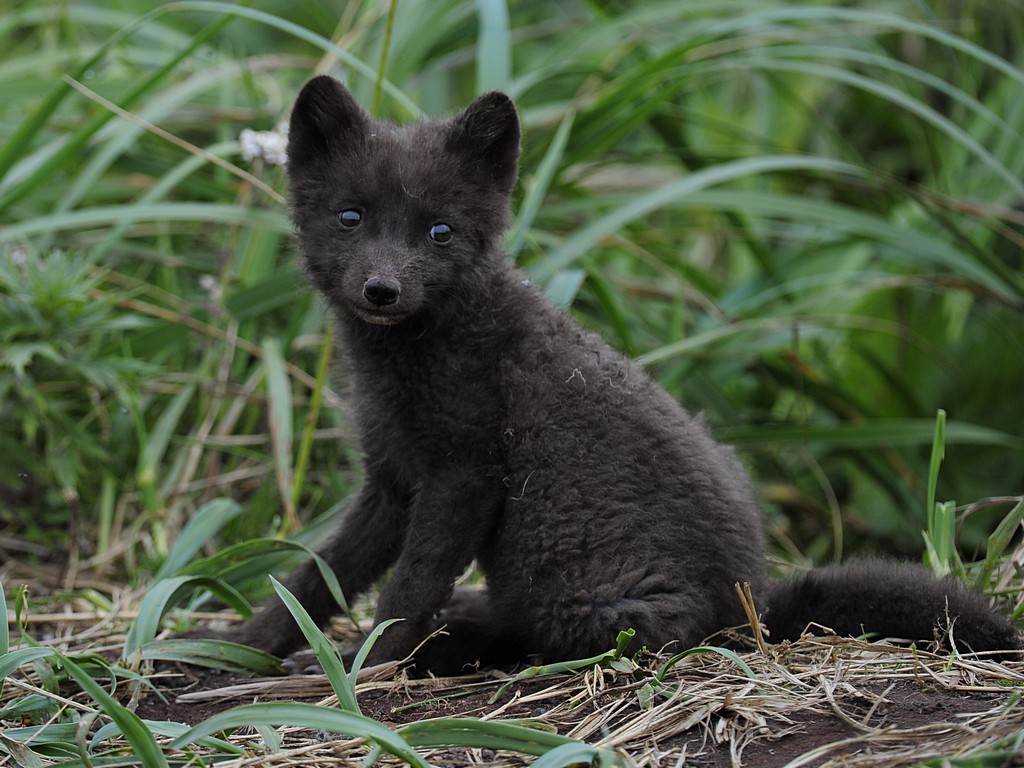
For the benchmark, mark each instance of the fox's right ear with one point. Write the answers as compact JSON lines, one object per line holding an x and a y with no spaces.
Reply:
{"x":324,"y":120}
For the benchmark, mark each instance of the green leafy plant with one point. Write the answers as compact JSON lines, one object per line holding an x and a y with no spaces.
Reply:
{"x":65,"y":380}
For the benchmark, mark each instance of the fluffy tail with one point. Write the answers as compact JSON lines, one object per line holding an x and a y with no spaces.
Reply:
{"x":898,"y":600}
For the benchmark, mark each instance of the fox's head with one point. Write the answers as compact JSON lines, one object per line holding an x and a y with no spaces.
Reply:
{"x":395,"y":222}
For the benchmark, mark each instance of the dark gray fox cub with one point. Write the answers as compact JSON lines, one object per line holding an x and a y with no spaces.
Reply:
{"x":495,"y":429}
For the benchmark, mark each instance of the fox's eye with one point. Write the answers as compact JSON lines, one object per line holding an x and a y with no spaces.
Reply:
{"x":350,"y":218}
{"x":441,"y":233}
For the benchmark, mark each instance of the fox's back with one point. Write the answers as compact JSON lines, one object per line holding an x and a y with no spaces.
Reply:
{"x":613,"y":493}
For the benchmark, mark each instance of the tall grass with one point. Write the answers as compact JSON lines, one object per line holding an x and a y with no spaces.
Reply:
{"x":806,"y":220}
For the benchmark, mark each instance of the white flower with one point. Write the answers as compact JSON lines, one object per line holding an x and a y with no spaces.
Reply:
{"x":269,"y":146}
{"x":17,"y":254}
{"x":211,"y":285}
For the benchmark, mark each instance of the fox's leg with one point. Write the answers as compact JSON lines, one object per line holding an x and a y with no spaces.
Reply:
{"x":364,"y":546}
{"x":471,"y":634}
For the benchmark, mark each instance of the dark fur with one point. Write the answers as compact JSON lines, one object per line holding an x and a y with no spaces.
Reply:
{"x":495,"y":429}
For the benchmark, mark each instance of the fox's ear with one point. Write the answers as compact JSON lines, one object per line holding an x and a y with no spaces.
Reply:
{"x":487,"y":136}
{"x":324,"y":120}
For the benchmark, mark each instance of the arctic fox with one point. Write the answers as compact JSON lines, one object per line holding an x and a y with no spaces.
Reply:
{"x":495,"y":429}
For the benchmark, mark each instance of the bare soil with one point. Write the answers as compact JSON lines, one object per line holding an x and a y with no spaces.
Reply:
{"x":818,"y":703}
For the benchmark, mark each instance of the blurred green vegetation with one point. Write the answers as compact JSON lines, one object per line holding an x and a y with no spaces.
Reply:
{"x":807,"y":220}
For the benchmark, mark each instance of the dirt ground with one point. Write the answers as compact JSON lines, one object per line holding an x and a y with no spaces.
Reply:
{"x":841,"y":703}
{"x":823,"y":701}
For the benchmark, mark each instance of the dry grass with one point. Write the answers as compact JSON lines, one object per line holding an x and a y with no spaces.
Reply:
{"x":821,"y":702}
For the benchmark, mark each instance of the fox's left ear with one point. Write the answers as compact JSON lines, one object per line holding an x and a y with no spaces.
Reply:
{"x":487,"y":135}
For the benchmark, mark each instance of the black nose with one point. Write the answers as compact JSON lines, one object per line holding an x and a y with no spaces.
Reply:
{"x":381,"y":291}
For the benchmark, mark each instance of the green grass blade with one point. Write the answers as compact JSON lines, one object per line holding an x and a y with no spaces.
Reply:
{"x":323,"y":367}
{"x":154,"y":446}
{"x":701,"y":649}
{"x":16,"y":146}
{"x":580,"y":243}
{"x":622,"y":641}
{"x":11,"y":660}
{"x":164,"y":728}
{"x":281,"y":414}
{"x":215,"y":654}
{"x":579,"y":754}
{"x":167,"y":594}
{"x":564,"y":286}
{"x":200,"y":529}
{"x":892,"y":21}
{"x":925,"y":247}
{"x":308,"y":716}
{"x":45,"y":734}
{"x":232,"y":562}
{"x":870,"y":434}
{"x":495,"y":734}
{"x":77,"y":141}
{"x":940,"y":540}
{"x":282,"y":288}
{"x":5,"y":629}
{"x":938,"y":453}
{"x":470,"y":732}
{"x":410,"y":107}
{"x":885,"y":62}
{"x":324,"y":648}
{"x":385,"y":49}
{"x":910,"y":104}
{"x":609,"y":299}
{"x":998,"y":541}
{"x":106,"y":216}
{"x":141,"y":739}
{"x":365,"y":648}
{"x":249,"y":559}
{"x":539,"y":185}
{"x":494,"y":47}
